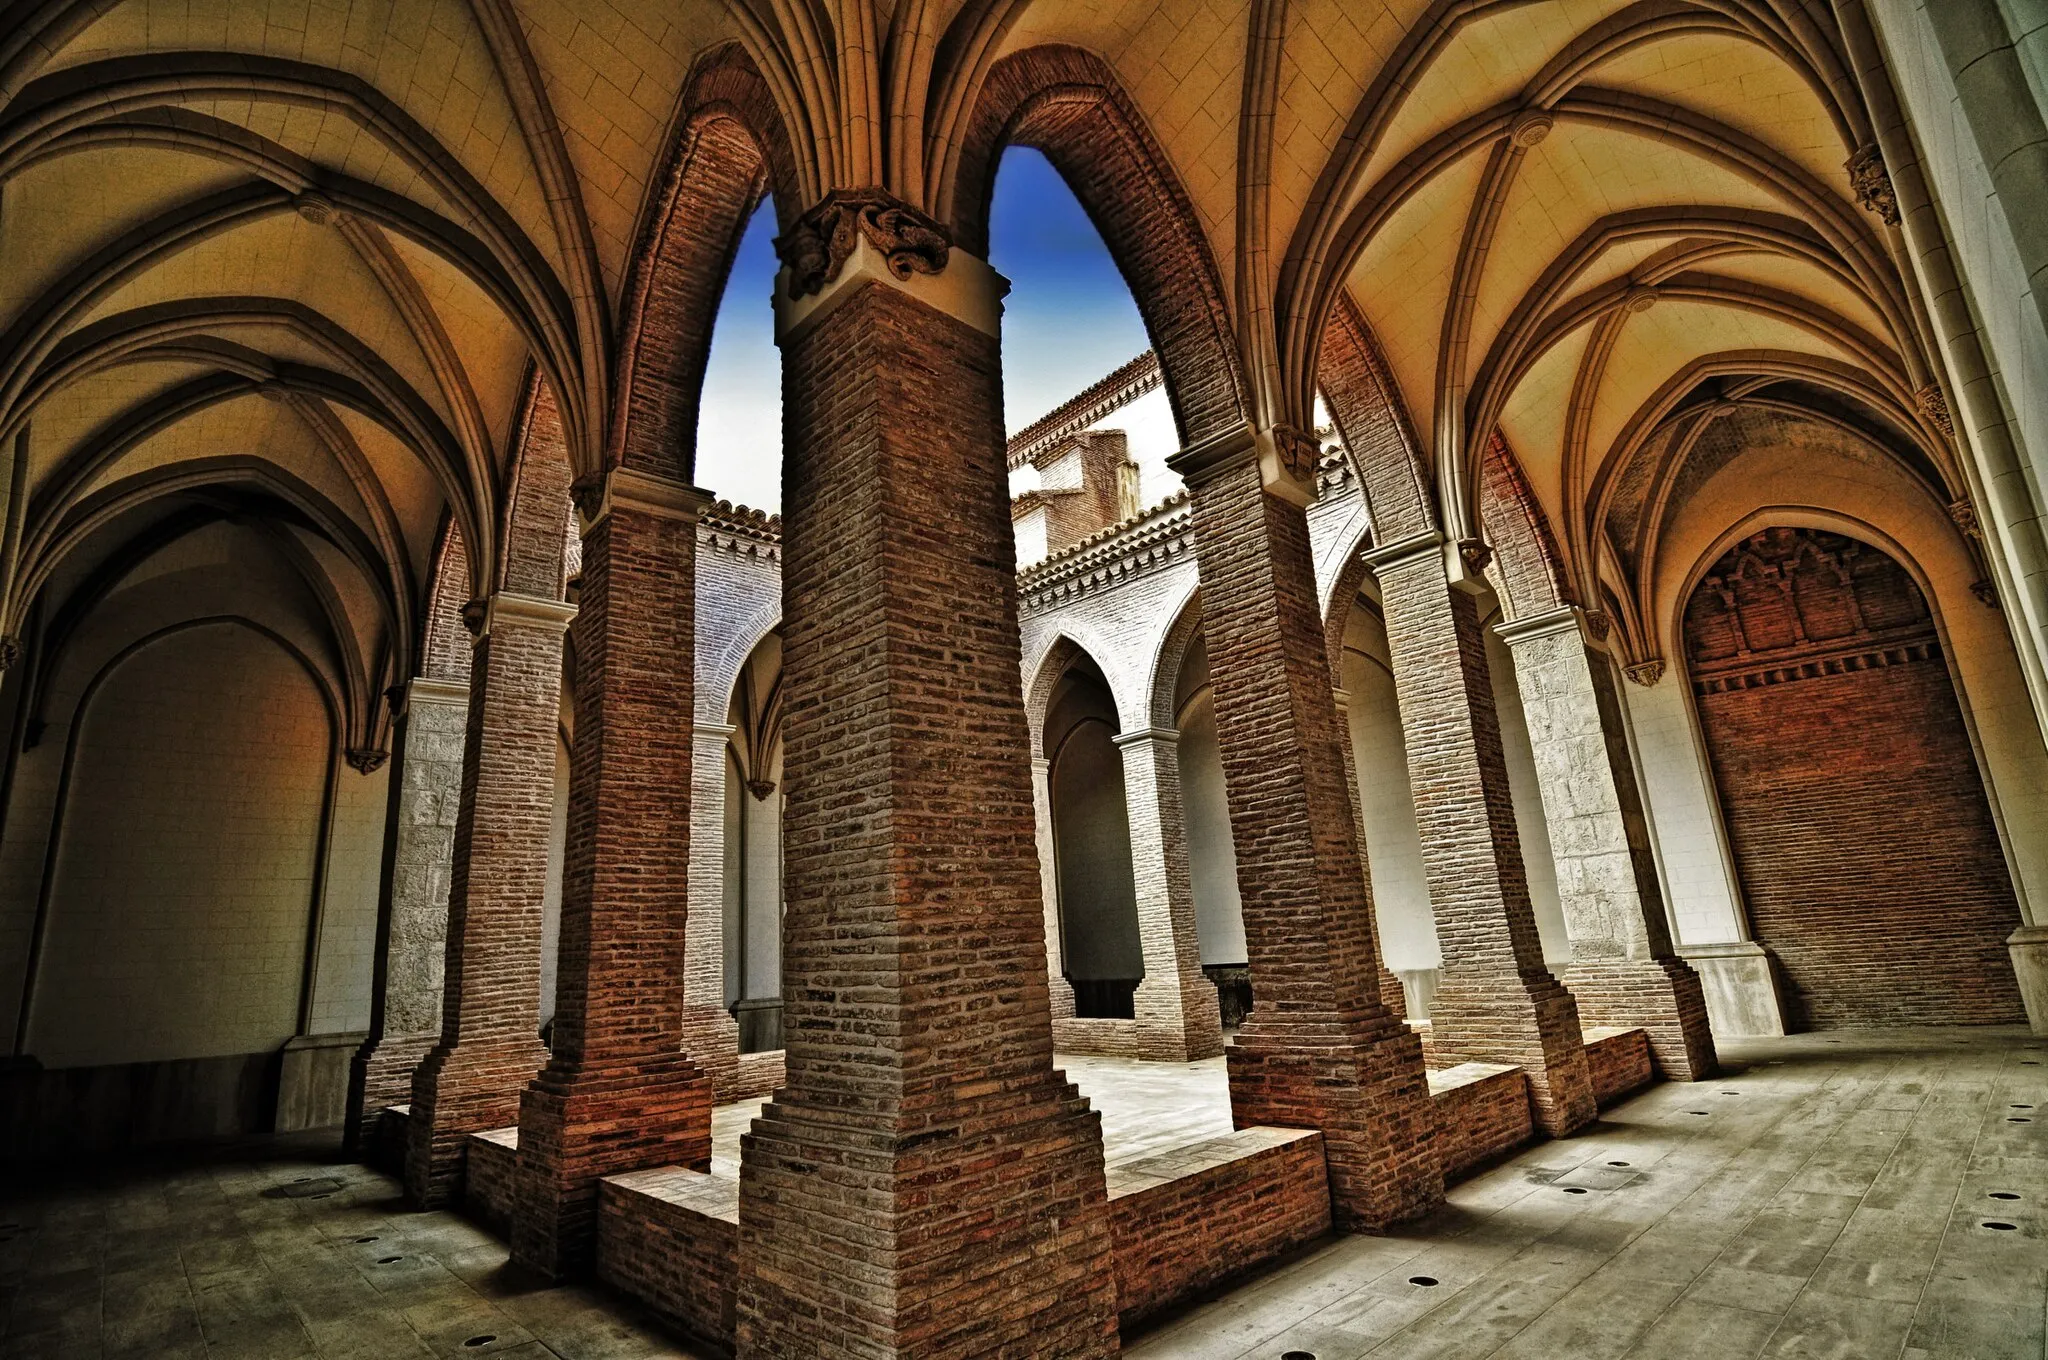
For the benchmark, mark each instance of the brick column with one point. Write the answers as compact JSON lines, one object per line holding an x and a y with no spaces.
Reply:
{"x":927,"y":1184}
{"x":1496,"y":1002}
{"x":1624,"y":970}
{"x":1320,"y":1049}
{"x":490,"y":1009}
{"x":709,"y":1034}
{"x":412,"y":927}
{"x":619,"y":1094}
{"x":1178,"y":1018}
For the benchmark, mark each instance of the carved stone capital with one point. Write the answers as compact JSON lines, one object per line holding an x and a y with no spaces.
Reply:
{"x":1598,"y":624}
{"x":474,"y":612}
{"x":366,"y":759}
{"x":1873,"y":184}
{"x":1965,"y":516}
{"x":10,"y":652}
{"x":760,"y":788}
{"x":817,"y":245}
{"x":1986,"y":592}
{"x":1934,"y":406}
{"x":1645,"y":673}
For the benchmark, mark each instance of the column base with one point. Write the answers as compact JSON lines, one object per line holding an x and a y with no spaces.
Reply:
{"x":1182,"y":1025}
{"x":1364,"y":1086}
{"x":471,"y":1088}
{"x":712,"y":1039}
{"x":578,"y":1124}
{"x":1527,"y":1020}
{"x":2029,"y":948}
{"x":1662,"y":997}
{"x":979,"y":1229}
{"x":379,"y":1076}
{"x":1741,"y":989}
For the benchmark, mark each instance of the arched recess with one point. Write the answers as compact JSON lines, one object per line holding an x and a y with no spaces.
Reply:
{"x":184,"y":867}
{"x":728,"y":146}
{"x":1877,"y":883}
{"x":753,"y":849}
{"x":1067,"y":103}
{"x":1097,"y":948}
{"x":1182,"y":702}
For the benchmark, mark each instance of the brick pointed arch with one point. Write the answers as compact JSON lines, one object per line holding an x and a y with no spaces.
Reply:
{"x":727,"y":147}
{"x":1067,"y":103}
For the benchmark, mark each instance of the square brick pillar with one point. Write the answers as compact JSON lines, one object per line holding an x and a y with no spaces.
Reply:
{"x":927,"y":1184}
{"x":1320,"y":1049}
{"x":1176,"y":1009}
{"x":618,"y":1093}
{"x":1624,"y":970}
{"x":1495,"y":1002}
{"x":490,"y":1009}
{"x":412,"y":925}
{"x":1392,"y":993}
{"x":1062,"y":992}
{"x":710,"y":1035}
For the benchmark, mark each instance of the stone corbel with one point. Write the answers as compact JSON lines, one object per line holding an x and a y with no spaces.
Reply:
{"x":600,"y":493}
{"x":1164,"y":735}
{"x":1965,"y":516}
{"x":1873,"y":184}
{"x":1286,"y":460}
{"x":760,"y":788}
{"x":1986,"y":592}
{"x":1934,"y":405}
{"x":10,"y":651}
{"x":366,"y":759}
{"x":1645,"y":673}
{"x":509,"y":607}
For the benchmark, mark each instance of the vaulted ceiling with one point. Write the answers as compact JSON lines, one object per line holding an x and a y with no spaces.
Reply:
{"x":311,"y":256}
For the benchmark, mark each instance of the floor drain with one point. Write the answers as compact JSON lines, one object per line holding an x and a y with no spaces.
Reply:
{"x":1617,"y":1163}
{"x":488,"y":1337}
{"x":1575,"y":1189}
{"x":389,"y":1260}
{"x":2019,"y":1107}
{"x":2019,"y":1119}
{"x":1297,"y":1355}
{"x":1695,"y":1111}
{"x":371,"y":1238}
{"x":1426,"y":1281}
{"x":2003,"y":1194}
{"x":1731,"y":1093}
{"x":328,"y":1195}
{"x":1996,"y":1226}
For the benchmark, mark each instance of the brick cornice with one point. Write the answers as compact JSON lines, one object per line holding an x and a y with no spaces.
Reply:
{"x":741,"y":532}
{"x":1134,"y":380}
{"x":1565,"y":618}
{"x":1137,"y":547}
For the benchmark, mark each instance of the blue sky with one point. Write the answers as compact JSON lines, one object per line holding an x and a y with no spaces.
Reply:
{"x":1068,"y":321}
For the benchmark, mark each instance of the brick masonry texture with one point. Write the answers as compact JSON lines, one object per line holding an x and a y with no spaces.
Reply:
{"x":925,"y":1160}
{"x":1496,"y":1002}
{"x":1320,"y":1049}
{"x":1619,"y":1061}
{"x":1483,"y":1112}
{"x":668,"y":1237}
{"x":489,"y":1175}
{"x":1175,"y":1005}
{"x":490,"y":1038}
{"x":618,"y":1093}
{"x":1187,"y":1220}
{"x":1866,"y":851}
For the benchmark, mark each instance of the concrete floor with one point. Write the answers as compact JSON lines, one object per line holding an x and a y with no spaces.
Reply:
{"x":1829,"y":1198}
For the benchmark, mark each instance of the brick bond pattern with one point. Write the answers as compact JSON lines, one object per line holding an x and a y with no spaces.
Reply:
{"x":619,"y":1093}
{"x":1856,"y":814}
{"x":925,"y":1159}
{"x":1624,"y":970}
{"x":1496,"y":1002}
{"x":490,"y":1011}
{"x":1320,"y":1049}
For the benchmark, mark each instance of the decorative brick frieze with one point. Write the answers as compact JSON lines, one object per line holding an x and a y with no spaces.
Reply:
{"x":1495,"y":1002}
{"x":1175,"y":1005}
{"x":412,"y":926}
{"x":1160,"y":538}
{"x":490,"y":1015}
{"x":1320,"y":1049}
{"x":1624,"y":969}
{"x":619,"y":1093}
{"x":926,"y":1183}
{"x":1134,"y":380}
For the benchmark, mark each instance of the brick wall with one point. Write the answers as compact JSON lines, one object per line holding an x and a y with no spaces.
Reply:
{"x":1482,"y":1112}
{"x":1619,"y":1060}
{"x":1188,"y":1219}
{"x":487,"y":1182}
{"x":1855,"y":810}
